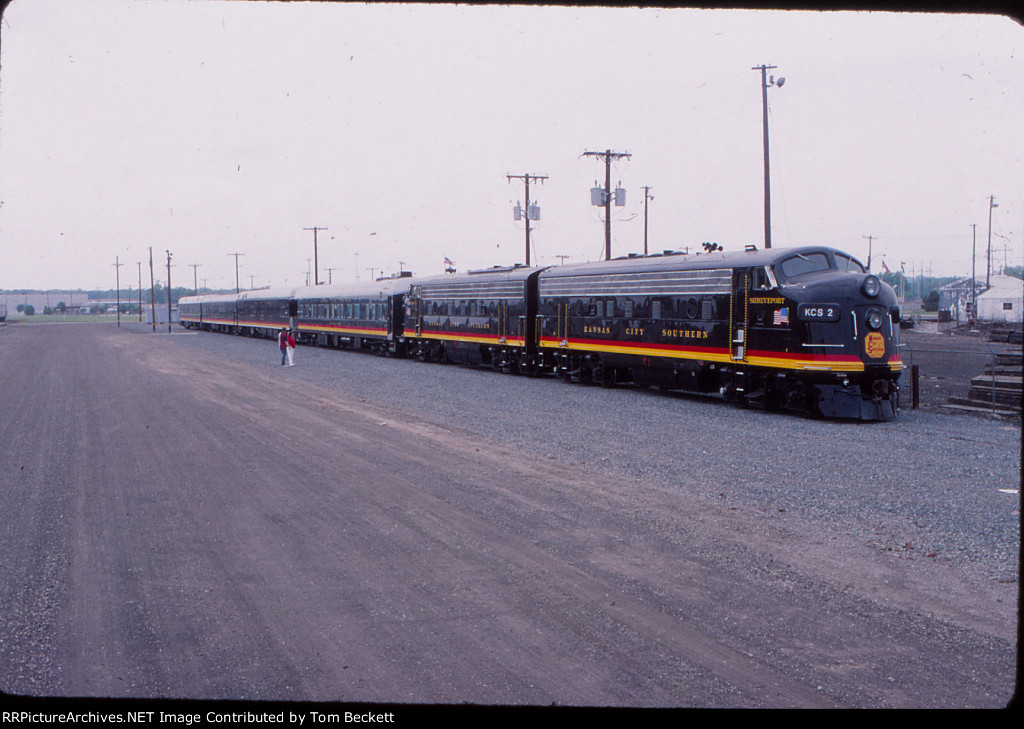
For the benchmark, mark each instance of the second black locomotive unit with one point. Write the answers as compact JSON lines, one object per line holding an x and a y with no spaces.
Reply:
{"x":804,"y":330}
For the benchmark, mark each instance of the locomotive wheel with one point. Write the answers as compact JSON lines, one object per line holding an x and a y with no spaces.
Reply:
{"x":602,"y":375}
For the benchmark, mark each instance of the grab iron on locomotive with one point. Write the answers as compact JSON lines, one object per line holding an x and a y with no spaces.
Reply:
{"x":806,"y":330}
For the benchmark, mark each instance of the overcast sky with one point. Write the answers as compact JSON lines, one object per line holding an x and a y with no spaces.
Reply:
{"x":210,"y":128}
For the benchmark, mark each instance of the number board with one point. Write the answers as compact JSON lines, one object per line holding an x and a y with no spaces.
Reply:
{"x":818,"y":312}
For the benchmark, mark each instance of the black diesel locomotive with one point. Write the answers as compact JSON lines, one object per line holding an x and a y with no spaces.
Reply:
{"x":803,"y":330}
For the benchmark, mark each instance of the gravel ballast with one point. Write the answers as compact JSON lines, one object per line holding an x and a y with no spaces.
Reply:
{"x":928,"y":484}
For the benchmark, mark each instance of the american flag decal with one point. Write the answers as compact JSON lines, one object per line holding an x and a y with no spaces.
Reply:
{"x":781,"y":316}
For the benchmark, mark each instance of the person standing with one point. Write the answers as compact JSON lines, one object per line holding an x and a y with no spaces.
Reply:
{"x":291,"y":349}
{"x":282,"y":341}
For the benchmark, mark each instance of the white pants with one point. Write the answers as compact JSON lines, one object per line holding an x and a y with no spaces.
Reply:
{"x":291,"y":356}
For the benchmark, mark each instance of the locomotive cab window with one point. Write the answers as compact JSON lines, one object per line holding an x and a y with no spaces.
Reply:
{"x":759,"y":280}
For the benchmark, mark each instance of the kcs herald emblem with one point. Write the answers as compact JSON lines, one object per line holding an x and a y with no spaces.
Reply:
{"x":874,"y":345}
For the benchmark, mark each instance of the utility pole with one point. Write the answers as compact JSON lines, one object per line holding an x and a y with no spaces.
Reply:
{"x":991,"y":204}
{"x":117,"y":267}
{"x":238,"y":288}
{"x":316,"y":270}
{"x":140,"y":291}
{"x":608,"y":156}
{"x":647,"y":197}
{"x":330,"y":277}
{"x":871,"y":239}
{"x":195,"y":276}
{"x":532,"y":211}
{"x":152,"y":290}
{"x":1006,"y":260}
{"x":168,"y":292}
{"x":765,"y":83}
{"x":974,"y":282}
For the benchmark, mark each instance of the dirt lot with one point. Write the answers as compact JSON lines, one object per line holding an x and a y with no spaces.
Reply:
{"x":194,"y":521}
{"x":947,"y":362}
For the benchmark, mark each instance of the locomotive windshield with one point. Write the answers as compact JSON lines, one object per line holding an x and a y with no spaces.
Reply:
{"x":802,"y":264}
{"x":845,"y":263}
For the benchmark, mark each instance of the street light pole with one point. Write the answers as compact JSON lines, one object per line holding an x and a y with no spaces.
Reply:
{"x":988,"y":275}
{"x":765,"y":83}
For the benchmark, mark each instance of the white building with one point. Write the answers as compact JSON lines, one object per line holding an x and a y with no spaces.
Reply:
{"x":1004,"y":300}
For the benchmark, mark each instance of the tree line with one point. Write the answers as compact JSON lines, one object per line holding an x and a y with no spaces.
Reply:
{"x":159,"y":294}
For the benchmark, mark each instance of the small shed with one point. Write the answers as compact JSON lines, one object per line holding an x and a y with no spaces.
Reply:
{"x":1004,"y":300}
{"x":161,"y":314}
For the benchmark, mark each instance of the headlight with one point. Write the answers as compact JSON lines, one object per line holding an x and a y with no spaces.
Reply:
{"x":874,"y":318}
{"x":871,"y":286}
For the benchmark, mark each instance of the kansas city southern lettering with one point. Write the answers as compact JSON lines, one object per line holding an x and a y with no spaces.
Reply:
{"x":597,"y":330}
{"x":684,"y":333}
